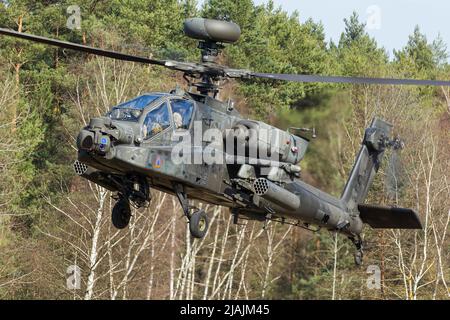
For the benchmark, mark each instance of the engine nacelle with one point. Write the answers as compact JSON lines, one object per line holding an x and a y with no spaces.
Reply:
{"x":264,"y":142}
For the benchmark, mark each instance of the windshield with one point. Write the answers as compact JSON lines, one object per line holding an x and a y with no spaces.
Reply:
{"x":132,"y":110}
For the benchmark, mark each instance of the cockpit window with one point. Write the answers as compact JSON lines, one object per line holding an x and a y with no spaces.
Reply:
{"x":182,"y":113}
{"x":132,"y":110}
{"x":125,"y":114}
{"x":156,"y":121}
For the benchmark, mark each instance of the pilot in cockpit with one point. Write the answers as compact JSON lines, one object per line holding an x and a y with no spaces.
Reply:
{"x":177,"y":120}
{"x":156,"y":121}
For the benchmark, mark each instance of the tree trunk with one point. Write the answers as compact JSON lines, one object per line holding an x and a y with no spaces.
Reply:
{"x":94,"y":253}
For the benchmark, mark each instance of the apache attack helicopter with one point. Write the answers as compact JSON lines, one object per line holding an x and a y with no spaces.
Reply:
{"x":136,"y":146}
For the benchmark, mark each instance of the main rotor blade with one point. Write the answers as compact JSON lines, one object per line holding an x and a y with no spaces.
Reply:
{"x":354,"y":80}
{"x":193,"y":68}
{"x":79,"y":47}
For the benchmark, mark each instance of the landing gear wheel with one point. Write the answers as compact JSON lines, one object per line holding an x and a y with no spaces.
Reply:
{"x":121,"y":214}
{"x":198,"y":224}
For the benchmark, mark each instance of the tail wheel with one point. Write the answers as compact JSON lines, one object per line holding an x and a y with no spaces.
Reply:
{"x":121,"y":214}
{"x":198,"y":224}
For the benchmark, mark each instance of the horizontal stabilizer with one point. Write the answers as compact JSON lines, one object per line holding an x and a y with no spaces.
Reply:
{"x":389,"y":217}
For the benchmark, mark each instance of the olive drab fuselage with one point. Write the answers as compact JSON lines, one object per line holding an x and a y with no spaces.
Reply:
{"x":252,"y":187}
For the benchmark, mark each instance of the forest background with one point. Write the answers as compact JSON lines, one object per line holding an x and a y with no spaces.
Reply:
{"x":53,"y":223}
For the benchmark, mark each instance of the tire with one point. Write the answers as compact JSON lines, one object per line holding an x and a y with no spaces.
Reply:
{"x":198,"y":224}
{"x":121,"y":214}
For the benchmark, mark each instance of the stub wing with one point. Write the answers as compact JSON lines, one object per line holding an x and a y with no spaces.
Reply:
{"x":379,"y":217}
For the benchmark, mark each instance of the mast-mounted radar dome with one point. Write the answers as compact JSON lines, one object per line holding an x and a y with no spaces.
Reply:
{"x":212,"y":30}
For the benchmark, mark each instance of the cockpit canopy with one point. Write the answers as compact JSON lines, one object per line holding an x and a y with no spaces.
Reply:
{"x":156,"y":112}
{"x":132,"y":110}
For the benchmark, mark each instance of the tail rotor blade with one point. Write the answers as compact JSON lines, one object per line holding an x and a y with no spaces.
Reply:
{"x":394,"y":180}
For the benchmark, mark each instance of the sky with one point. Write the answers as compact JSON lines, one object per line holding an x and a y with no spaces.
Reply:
{"x":390,"y":22}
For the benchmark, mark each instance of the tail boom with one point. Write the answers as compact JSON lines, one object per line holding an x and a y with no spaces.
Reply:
{"x":301,"y":201}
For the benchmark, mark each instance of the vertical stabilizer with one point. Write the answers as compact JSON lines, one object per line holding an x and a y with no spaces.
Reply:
{"x":367,"y":163}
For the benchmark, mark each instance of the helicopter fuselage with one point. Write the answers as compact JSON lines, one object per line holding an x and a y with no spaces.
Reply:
{"x":246,"y":165}
{"x":221,"y":184}
{"x":208,"y":152}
